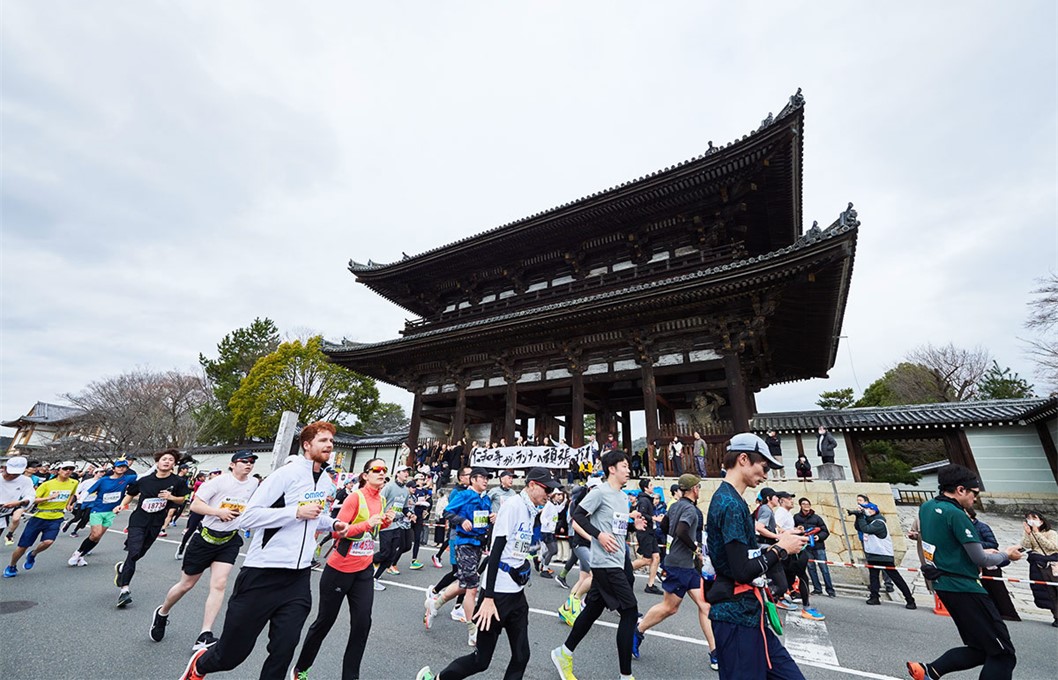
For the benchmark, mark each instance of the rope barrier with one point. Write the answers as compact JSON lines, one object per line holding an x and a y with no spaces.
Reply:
{"x":915,"y":570}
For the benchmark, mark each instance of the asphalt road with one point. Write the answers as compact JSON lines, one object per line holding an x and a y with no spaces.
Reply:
{"x":58,"y":622}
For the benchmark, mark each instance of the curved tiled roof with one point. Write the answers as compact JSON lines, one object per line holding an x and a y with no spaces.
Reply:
{"x":845,"y":224}
{"x":793,"y":107}
{"x":946,"y":414}
{"x":44,"y":413}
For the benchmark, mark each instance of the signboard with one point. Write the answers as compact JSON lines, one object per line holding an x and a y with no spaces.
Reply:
{"x":515,"y":457}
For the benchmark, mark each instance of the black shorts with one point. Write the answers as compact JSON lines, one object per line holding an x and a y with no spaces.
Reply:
{"x":978,"y":622}
{"x":200,"y":553}
{"x":646,"y":543}
{"x":614,"y":587}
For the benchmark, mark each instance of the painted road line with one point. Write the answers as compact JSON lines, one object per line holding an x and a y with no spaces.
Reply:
{"x":809,"y":640}
{"x":698,"y":641}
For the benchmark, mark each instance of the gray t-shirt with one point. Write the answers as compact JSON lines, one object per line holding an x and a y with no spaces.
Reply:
{"x":608,"y":509}
{"x":396,"y":497}
{"x":766,"y":516}
{"x":498,"y":495}
{"x":679,"y":555}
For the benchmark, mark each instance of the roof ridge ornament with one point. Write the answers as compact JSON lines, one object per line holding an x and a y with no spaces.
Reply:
{"x":848,"y":217}
{"x":766,"y":122}
{"x":815,"y":231}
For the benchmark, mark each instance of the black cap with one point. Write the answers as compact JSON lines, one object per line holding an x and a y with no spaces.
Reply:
{"x":784,"y":494}
{"x":243,"y":455}
{"x":479,"y":472}
{"x":542,"y":476}
{"x":766,"y":493}
{"x":507,"y":473}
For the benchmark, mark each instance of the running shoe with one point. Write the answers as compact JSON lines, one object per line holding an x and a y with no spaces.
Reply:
{"x":873,"y":599}
{"x":714,"y":663}
{"x":653,"y":590}
{"x":436,"y":563}
{"x":163,"y":534}
{"x":73,"y":559}
{"x":472,"y":634}
{"x":118,"y":566}
{"x":74,"y":535}
{"x":576,"y":605}
{"x":379,"y":586}
{"x":817,"y":592}
{"x":565,"y":612}
{"x":206,"y":639}
{"x":8,"y":540}
{"x":393,"y":571}
{"x":787,"y":604}
{"x":10,"y":571}
{"x":301,"y":675}
{"x":637,"y":639}
{"x":810,"y":613}
{"x":547,"y":573}
{"x":458,"y":614}
{"x":31,"y":559}
{"x":425,"y":674}
{"x":190,"y":673}
{"x":82,"y":562}
{"x":560,"y":581}
{"x":911,"y":604}
{"x":179,"y":555}
{"x":158,"y":624}
{"x":889,"y":587}
{"x":416,"y":564}
{"x":124,"y":599}
{"x":563,"y":662}
{"x":917,"y":670}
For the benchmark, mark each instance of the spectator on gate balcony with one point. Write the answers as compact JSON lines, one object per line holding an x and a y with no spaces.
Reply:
{"x":803,"y":468}
{"x":825,"y":445}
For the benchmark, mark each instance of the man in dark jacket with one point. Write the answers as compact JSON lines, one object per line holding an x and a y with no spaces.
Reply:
{"x":775,"y":448}
{"x":825,"y":445}
{"x":647,"y":543}
{"x":816,"y":530}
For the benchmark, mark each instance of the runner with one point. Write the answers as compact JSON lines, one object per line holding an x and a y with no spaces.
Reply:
{"x":746,"y":647}
{"x":462,"y":482}
{"x":953,"y":559}
{"x":580,"y":545}
{"x":274,"y":584}
{"x":457,"y":612}
{"x":556,"y":504}
{"x":348,"y":574}
{"x":683,"y":568}
{"x":16,"y":492}
{"x":214,"y":546}
{"x":391,"y":538}
{"x":503,"y":604}
{"x":15,"y":517}
{"x":646,"y":542}
{"x":603,"y":513}
{"x":85,"y":498}
{"x":423,"y":500}
{"x":53,"y":498}
{"x":108,"y":491}
{"x":157,"y":492}
{"x":469,"y":512}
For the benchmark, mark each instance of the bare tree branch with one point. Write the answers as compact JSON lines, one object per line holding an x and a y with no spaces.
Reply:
{"x":955,"y":371}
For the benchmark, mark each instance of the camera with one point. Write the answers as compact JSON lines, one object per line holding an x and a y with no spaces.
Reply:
{"x":854,"y":512}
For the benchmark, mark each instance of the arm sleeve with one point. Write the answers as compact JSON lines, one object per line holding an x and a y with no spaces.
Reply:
{"x":260,"y":512}
{"x":982,"y":559}
{"x":683,"y":533}
{"x":745,"y":568}
{"x":492,"y":567}
{"x":583,"y":520}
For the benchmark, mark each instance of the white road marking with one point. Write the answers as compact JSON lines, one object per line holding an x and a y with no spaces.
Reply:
{"x":807,"y":639}
{"x":802,"y":660}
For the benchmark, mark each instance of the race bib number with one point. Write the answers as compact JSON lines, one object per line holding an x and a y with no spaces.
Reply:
{"x":481,"y":519}
{"x":153,"y":504}
{"x":362,"y":547}
{"x":521,"y":543}
{"x":233,"y":504}
{"x":112,"y":497}
{"x":928,"y":549}
{"x":63,"y":496}
{"x":619,"y":524}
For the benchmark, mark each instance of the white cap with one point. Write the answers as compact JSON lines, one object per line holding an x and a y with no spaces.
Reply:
{"x":401,"y":468}
{"x":16,"y":465}
{"x":66,"y":464}
{"x":749,"y":442}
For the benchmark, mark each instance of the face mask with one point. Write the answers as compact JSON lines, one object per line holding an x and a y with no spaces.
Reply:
{"x":1034,"y":522}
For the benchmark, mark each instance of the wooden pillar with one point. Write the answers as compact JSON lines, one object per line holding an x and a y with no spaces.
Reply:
{"x":510,"y":412}
{"x":626,"y":431}
{"x":416,"y":421}
{"x":736,"y":391}
{"x":604,"y":424}
{"x":460,"y":415}
{"x":1049,"y":449}
{"x":576,"y":419}
{"x":650,"y":401}
{"x":857,"y":461}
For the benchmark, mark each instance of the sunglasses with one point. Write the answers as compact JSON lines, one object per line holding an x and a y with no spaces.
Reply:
{"x":67,"y":468}
{"x":975,"y":492}
{"x":379,"y":469}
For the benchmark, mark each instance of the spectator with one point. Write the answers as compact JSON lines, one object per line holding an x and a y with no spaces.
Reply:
{"x":1042,"y":543}
{"x":997,"y":590}
{"x":816,"y":529}
{"x":825,"y":445}
{"x":803,"y":468}
{"x":775,"y":448}
{"x":878,"y":548}
{"x":699,"y":454}
{"x":676,"y":456}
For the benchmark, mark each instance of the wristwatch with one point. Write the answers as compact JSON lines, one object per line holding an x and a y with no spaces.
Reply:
{"x":780,"y":552}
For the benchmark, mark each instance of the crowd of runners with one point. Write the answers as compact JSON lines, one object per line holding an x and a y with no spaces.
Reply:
{"x":736,"y":564}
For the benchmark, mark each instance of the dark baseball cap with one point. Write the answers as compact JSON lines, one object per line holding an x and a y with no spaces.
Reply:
{"x":766,"y":493}
{"x":784,"y":494}
{"x":244,"y":455}
{"x":507,"y":473}
{"x":479,"y":472}
{"x":542,"y":476}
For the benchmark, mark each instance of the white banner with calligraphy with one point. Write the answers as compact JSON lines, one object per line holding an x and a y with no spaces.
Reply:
{"x":520,"y":457}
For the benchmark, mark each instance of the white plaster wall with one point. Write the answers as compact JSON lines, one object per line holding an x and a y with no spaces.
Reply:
{"x":1011,"y":460}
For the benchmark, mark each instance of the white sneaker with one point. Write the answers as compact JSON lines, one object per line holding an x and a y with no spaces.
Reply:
{"x":431,"y":609}
{"x":81,"y":562}
{"x":73,"y":560}
{"x":472,"y":634}
{"x":459,"y":615}
{"x":378,"y":585}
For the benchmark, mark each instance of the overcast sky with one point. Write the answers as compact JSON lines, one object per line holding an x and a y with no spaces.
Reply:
{"x":172,"y":170}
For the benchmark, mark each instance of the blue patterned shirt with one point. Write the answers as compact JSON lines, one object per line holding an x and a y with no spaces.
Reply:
{"x":730,"y":521}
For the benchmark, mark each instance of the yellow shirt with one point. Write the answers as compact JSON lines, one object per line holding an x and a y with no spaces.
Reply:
{"x":54,"y":509}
